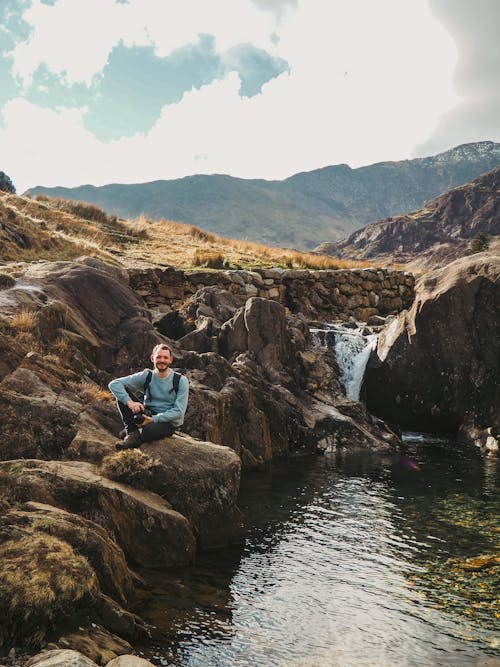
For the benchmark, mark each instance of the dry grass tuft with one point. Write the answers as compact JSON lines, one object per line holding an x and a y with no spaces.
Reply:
{"x":130,"y":466}
{"x":24,"y":320}
{"x":139,"y":228}
{"x":78,"y":208}
{"x":208,"y":258}
{"x":60,"y":346}
{"x":91,"y":392}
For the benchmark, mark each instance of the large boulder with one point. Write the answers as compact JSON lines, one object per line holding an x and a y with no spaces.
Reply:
{"x":147,"y":528}
{"x":88,"y":305}
{"x":439,"y":363}
{"x":199,"y":479}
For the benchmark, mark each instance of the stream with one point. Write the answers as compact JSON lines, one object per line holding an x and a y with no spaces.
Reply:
{"x":349,"y":560}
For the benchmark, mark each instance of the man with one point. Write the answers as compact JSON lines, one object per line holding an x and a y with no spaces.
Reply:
{"x":164,"y":403}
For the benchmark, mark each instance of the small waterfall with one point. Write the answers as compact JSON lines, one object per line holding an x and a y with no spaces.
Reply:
{"x":352,"y":350}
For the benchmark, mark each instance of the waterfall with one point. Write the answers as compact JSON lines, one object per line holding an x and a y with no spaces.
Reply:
{"x":352,"y":350}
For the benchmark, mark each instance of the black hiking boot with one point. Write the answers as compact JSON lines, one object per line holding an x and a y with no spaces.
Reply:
{"x":131,"y":440}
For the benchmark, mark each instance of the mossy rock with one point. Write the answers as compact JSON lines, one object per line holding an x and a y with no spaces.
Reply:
{"x":43,"y":581}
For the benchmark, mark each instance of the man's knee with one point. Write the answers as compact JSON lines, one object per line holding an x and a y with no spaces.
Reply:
{"x":156,"y":431}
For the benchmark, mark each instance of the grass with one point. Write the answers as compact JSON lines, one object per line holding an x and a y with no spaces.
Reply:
{"x":90,"y":391}
{"x":208,"y":258}
{"x":42,"y":579}
{"x":186,"y":246}
{"x":55,"y":229}
{"x":130,"y":466}
{"x":24,"y":320}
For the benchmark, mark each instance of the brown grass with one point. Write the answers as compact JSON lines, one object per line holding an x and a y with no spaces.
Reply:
{"x":24,"y":320}
{"x":42,"y":579}
{"x":78,"y":208}
{"x":208,"y":258}
{"x":186,"y":246}
{"x":130,"y":466}
{"x":91,"y":392}
{"x":56,"y":229}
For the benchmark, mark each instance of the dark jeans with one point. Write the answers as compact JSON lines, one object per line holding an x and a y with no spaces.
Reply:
{"x":154,"y":431}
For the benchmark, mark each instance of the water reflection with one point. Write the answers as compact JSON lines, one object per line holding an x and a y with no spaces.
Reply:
{"x":348,"y":561}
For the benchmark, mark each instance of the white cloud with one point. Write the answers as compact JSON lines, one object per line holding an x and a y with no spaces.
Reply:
{"x":361,"y":89}
{"x":75,"y":37}
{"x":69,"y":37}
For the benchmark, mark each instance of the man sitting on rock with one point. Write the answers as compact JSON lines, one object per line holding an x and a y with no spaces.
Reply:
{"x":164,"y":404}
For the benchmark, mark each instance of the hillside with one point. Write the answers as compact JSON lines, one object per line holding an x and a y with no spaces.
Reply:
{"x":433,"y":236}
{"x":55,"y":229}
{"x":300,"y":211}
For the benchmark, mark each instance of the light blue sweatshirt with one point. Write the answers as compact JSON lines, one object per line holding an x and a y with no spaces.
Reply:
{"x":161,"y":399}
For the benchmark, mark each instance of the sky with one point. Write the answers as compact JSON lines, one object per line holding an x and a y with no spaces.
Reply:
{"x":129,"y":91}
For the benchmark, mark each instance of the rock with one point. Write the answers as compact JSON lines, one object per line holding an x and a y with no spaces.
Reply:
{"x":477,"y":563}
{"x":6,"y":184}
{"x":129,"y":661}
{"x":86,"y":537}
{"x":199,"y":479}
{"x":95,"y":643}
{"x":439,"y":363}
{"x":260,"y":328}
{"x":90,"y":304}
{"x":214,"y":302}
{"x":146,"y":527}
{"x":171,"y":325}
{"x":6,"y":281}
{"x":60,"y":658}
{"x":46,"y":428}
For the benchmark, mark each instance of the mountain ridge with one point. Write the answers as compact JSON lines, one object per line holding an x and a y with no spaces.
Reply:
{"x":436,"y":234}
{"x":301,"y":211}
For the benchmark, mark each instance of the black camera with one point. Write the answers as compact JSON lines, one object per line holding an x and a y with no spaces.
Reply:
{"x":139,"y":417}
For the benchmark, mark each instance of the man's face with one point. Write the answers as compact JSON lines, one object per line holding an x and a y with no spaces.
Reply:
{"x":162,"y":360}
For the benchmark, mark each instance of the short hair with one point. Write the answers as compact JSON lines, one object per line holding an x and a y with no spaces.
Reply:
{"x":161,"y":346}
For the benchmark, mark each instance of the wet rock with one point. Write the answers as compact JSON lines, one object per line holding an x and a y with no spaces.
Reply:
{"x":96,"y":643}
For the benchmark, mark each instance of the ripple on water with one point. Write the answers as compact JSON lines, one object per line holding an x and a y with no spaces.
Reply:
{"x":346,"y":563}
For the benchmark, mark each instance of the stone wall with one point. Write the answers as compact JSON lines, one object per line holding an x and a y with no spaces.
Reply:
{"x":319,"y":295}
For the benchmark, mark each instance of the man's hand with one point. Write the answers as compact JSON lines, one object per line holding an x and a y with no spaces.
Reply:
{"x":135,"y":407}
{"x":147,"y":420}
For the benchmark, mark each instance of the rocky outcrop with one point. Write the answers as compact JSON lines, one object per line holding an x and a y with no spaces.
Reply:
{"x":433,"y":236}
{"x":439,"y":363}
{"x":147,"y":528}
{"x":6,"y":184}
{"x":269,"y":389}
{"x":59,"y":569}
{"x":253,"y":367}
{"x":75,"y":658}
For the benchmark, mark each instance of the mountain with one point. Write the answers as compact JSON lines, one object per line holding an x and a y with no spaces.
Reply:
{"x":434,"y":235}
{"x":300,"y":211}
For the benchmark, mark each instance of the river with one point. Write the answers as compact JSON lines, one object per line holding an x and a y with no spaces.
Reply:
{"x":349,"y":561}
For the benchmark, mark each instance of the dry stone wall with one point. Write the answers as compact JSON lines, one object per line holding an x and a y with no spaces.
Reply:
{"x":319,"y":295}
